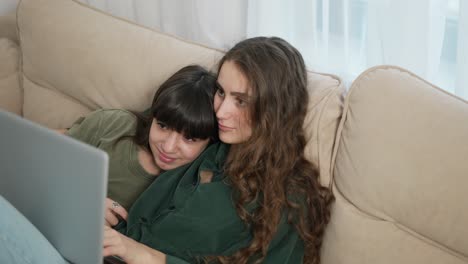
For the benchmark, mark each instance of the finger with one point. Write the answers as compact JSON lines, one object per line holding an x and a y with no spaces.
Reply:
{"x":111,"y":203}
{"x":111,"y":236}
{"x":108,"y":251}
{"x":109,"y":232}
{"x":111,"y":218}
{"x":112,"y":242}
{"x":111,"y":250}
{"x":120,"y":211}
{"x":117,"y":208}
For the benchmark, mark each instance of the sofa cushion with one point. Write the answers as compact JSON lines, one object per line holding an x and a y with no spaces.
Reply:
{"x":77,"y":59}
{"x":10,"y":93}
{"x":400,"y":173}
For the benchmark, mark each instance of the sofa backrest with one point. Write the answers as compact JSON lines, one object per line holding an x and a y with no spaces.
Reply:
{"x":400,"y":174}
{"x":76,"y":59}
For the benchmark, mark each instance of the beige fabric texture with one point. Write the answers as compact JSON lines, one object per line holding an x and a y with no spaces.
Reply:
{"x":10,"y":92}
{"x":54,"y":101}
{"x":8,"y":27}
{"x":400,"y":173}
{"x":321,"y":123}
{"x":89,"y":60}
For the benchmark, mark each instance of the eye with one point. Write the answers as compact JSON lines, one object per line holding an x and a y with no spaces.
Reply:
{"x":241,"y":103}
{"x":189,"y":139}
{"x":220,"y":92}
{"x":161,"y":125}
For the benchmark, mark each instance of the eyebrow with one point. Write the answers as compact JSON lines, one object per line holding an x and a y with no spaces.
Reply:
{"x":219,"y":85}
{"x":244,"y":96}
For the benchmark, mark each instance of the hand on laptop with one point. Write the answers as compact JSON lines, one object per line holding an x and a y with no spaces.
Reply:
{"x":129,"y":250}
{"x":114,"y":213}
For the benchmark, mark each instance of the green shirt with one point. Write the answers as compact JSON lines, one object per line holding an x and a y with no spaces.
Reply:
{"x":102,"y":129}
{"x":186,"y":220}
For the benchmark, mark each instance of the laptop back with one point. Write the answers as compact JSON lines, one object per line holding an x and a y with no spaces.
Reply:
{"x":58,"y":183}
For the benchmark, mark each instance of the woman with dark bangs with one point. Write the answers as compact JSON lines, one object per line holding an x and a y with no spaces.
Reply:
{"x":178,"y":126}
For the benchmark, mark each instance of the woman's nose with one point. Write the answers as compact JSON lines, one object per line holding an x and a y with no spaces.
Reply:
{"x":170,"y":143}
{"x":222,"y":112}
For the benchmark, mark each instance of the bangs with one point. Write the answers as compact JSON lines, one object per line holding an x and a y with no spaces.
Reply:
{"x":190,"y":113}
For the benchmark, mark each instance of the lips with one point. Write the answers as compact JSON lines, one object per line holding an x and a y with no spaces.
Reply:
{"x":163,"y":157}
{"x":224,"y":128}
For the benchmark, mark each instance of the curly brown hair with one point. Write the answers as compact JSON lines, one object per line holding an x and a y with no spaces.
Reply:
{"x":270,"y":169}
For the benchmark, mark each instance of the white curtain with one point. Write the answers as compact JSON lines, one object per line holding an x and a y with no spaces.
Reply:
{"x":345,"y":37}
{"x":217,"y":23}
{"x":7,"y":6}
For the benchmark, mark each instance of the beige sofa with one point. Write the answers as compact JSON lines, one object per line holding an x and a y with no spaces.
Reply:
{"x":394,"y":147}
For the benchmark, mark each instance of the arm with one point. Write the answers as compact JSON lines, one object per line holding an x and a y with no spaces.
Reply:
{"x":132,"y":252}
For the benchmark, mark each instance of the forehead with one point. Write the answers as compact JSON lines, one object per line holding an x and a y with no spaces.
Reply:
{"x":232,"y":79}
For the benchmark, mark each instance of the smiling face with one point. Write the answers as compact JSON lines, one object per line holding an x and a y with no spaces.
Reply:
{"x":231,"y":103}
{"x":172,"y":149}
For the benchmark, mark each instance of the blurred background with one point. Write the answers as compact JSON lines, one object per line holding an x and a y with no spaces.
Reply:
{"x":344,"y":37}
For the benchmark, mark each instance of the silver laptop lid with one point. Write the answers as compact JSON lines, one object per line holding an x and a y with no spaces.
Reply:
{"x":58,"y":183}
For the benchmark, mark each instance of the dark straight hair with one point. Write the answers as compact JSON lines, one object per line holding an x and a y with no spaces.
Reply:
{"x":183,"y":103}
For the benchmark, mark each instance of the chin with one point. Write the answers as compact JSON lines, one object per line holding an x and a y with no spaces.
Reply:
{"x":164,"y":166}
{"x":228,"y":140}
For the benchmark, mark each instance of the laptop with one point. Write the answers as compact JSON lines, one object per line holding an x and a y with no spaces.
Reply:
{"x":58,"y":183}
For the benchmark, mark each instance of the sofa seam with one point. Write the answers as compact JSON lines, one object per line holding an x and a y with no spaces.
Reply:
{"x":338,"y":138}
{"x":429,"y":241}
{"x":327,"y":99}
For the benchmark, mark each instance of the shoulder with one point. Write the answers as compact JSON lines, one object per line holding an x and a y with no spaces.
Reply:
{"x":103,"y":124}
{"x":104,"y":121}
{"x":218,"y":150}
{"x":111,"y":115}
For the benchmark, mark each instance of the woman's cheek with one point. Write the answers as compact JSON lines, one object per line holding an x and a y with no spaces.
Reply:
{"x":192,"y":152}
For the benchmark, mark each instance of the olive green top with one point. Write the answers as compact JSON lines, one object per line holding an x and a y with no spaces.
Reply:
{"x":102,"y":129}
{"x":188,"y":220}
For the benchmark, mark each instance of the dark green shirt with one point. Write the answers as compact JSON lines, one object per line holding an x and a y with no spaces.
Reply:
{"x":186,"y":220}
{"x":103,"y":129}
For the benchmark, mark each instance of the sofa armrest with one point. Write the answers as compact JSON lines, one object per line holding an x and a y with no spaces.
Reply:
{"x":8,"y":27}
